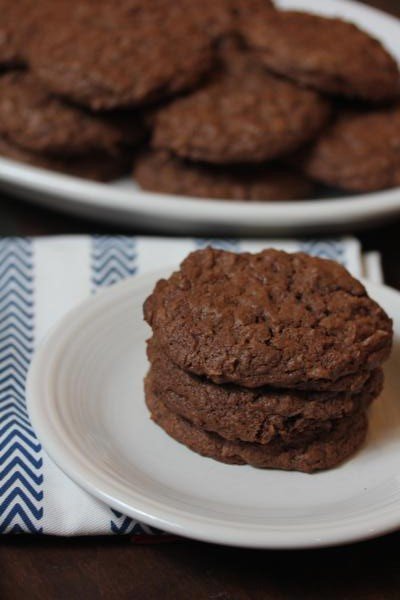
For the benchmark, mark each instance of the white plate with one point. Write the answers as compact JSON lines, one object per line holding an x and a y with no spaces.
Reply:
{"x":125,"y":204}
{"x":86,"y":402}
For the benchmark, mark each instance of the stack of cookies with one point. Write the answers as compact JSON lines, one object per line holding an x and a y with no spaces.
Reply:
{"x":227,"y":99}
{"x":268,"y":359}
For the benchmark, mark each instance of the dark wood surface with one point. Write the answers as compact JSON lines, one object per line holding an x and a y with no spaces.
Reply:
{"x":115,"y":568}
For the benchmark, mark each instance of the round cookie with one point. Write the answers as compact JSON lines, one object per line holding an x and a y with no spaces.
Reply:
{"x":260,"y":415}
{"x":96,"y":166}
{"x":272,"y":318}
{"x":39,"y":122}
{"x":159,"y":171}
{"x":153,"y":50}
{"x":247,"y":117}
{"x":330,"y":55}
{"x":325,"y":452}
{"x":359,"y":152}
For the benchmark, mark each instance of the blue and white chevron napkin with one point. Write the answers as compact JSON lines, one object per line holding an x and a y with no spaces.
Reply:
{"x":40,"y":280}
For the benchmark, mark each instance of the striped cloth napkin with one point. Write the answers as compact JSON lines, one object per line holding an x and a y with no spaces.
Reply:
{"x":40,"y":280}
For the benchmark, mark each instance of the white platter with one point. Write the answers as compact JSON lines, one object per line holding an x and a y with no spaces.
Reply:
{"x":86,"y":402}
{"x":123,"y":203}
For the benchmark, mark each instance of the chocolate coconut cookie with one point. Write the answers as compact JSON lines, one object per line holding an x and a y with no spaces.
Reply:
{"x":268,"y":359}
{"x":272,"y":318}
{"x":359,"y":152}
{"x":15,"y":21}
{"x":36,"y":121}
{"x":330,"y":55}
{"x":259,"y":415}
{"x":9,"y":28}
{"x":96,"y":166}
{"x":107,"y":55}
{"x":251,"y":117}
{"x":19,"y":21}
{"x":160,"y":171}
{"x":324,"y":452}
{"x":225,"y":16}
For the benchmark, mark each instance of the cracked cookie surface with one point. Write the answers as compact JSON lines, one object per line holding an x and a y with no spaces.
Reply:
{"x":39,"y":122}
{"x":153,"y":49}
{"x":324,"y":452}
{"x":359,"y":151}
{"x":252,"y":117}
{"x":260,"y":415}
{"x":272,"y":318}
{"x":330,"y":55}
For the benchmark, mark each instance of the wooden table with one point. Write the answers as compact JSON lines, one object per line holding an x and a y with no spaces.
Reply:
{"x":108,"y":568}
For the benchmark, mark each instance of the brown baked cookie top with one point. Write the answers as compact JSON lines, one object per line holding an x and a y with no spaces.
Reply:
{"x":107,"y":55}
{"x":224,"y":16}
{"x":19,"y":20}
{"x":324,"y":452}
{"x":359,"y":152}
{"x":98,"y":166}
{"x":9,"y":24}
{"x":271,"y":318}
{"x":260,"y":415}
{"x":251,"y":116}
{"x":33,"y":119}
{"x":330,"y":55}
{"x":15,"y":19}
{"x":159,"y":171}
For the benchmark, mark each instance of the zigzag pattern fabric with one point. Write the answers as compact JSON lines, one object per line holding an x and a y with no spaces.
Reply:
{"x":114,"y":259}
{"x":21,"y":477}
{"x":332,"y":249}
{"x":40,"y":280}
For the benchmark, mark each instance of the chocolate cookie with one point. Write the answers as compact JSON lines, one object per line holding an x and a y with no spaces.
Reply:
{"x":359,"y":152}
{"x":159,"y":171}
{"x":96,"y":166}
{"x":251,"y":117}
{"x":272,"y":318}
{"x":260,"y":415}
{"x":39,"y":122}
{"x":19,"y":20}
{"x":107,"y":55}
{"x":9,"y":47}
{"x":225,"y":16}
{"x":330,"y":55}
{"x":325,"y":452}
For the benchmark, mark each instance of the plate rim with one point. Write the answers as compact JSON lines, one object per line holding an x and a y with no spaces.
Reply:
{"x":70,"y":461}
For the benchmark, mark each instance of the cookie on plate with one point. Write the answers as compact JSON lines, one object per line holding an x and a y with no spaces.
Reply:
{"x":359,"y":152}
{"x":330,"y":55}
{"x":107,"y":55}
{"x":13,"y":20}
{"x":271,"y":318}
{"x":159,"y":171}
{"x":324,"y":452}
{"x":33,"y":119}
{"x":97,"y":166}
{"x":260,"y":415}
{"x":240,"y":117}
{"x":19,"y":20}
{"x":225,"y":16}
